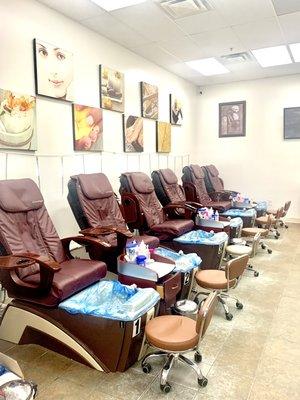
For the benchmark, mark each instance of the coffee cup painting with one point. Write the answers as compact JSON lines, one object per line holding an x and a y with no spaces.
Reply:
{"x":112,"y":89}
{"x":54,"y":71}
{"x":88,"y":128}
{"x":17,"y":121}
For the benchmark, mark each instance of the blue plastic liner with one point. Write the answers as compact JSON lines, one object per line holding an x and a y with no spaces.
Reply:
{"x":261,"y":206}
{"x":183,"y":262}
{"x":202,"y":237}
{"x":112,"y":300}
{"x":235,"y":212}
{"x":236,"y":222}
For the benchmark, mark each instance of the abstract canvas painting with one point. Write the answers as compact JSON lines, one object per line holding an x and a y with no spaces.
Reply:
{"x":88,"y":128}
{"x":111,"y":89}
{"x":54,"y":71}
{"x":149,"y":100}
{"x":163,"y":137}
{"x":17,"y":121}
{"x":292,"y":123}
{"x":133,"y":134}
{"x":176,"y":113}
{"x":232,"y":119}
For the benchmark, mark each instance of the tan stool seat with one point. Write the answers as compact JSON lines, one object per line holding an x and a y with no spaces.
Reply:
{"x":254,"y":231}
{"x":264,"y":220}
{"x":172,"y":333}
{"x":238,"y":250}
{"x":273,"y":212}
{"x":213,"y":279}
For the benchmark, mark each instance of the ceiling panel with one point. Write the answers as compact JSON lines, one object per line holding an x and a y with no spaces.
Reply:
{"x":259,"y":34}
{"x":290,"y":24}
{"x":286,"y":6}
{"x":183,"y":48}
{"x":75,"y":9}
{"x":156,"y":54}
{"x":207,"y":21}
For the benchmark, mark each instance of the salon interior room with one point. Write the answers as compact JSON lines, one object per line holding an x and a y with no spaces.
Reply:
{"x":149,"y":199}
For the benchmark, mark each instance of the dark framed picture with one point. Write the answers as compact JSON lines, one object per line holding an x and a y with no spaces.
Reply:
{"x":291,"y":117}
{"x":232,"y":119}
{"x":163,"y":137}
{"x":17,"y":121}
{"x":176,"y":113}
{"x":133,"y":134}
{"x":111,"y":89}
{"x":149,"y":100}
{"x":53,"y":71}
{"x":87,"y":128}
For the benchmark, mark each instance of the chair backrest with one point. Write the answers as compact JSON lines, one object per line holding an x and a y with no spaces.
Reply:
{"x":139,"y":184}
{"x":195,"y":174}
{"x":255,"y":244}
{"x":93,"y":201}
{"x":287,"y":206}
{"x":25,"y":225}
{"x":213,"y":181}
{"x":235,"y":267}
{"x":166,"y":186}
{"x":205,"y":314}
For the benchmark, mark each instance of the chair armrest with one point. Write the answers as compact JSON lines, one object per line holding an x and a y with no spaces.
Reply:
{"x":43,"y":261}
{"x":220,"y":196}
{"x":84,"y":241}
{"x":104,"y":230}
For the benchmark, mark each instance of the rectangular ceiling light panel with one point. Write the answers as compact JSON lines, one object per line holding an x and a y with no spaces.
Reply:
{"x":295,"y":49}
{"x":271,"y":56}
{"x":110,"y":5}
{"x":208,"y":66}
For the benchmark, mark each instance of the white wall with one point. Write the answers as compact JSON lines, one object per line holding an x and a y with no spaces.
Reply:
{"x":21,"y":22}
{"x":262,"y":164}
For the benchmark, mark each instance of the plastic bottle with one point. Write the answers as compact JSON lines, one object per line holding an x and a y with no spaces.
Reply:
{"x":211,"y":212}
{"x":217,"y":217}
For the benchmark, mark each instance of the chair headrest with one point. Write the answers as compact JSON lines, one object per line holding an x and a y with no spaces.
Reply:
{"x":95,"y":186}
{"x":141,"y":182}
{"x":20,"y":195}
{"x":168,"y":176}
{"x":197,"y":171}
{"x":212,"y":170}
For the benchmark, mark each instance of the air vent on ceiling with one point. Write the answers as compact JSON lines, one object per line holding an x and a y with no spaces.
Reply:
{"x":236,"y":58}
{"x":184,"y":8}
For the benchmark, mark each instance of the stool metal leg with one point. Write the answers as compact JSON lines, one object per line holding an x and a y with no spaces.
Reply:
{"x":202,"y":381}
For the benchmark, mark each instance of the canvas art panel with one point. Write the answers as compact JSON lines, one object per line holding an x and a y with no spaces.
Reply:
{"x":133,"y":134}
{"x":232,"y":119}
{"x":176,"y":113}
{"x":111,"y":89}
{"x":17,"y":121}
{"x":163,"y":137}
{"x":292,"y":123}
{"x":87,"y":128}
{"x":54,"y":71}
{"x":149,"y":100}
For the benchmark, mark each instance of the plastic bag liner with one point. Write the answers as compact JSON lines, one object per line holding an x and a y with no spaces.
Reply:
{"x":236,"y":222}
{"x":183,"y":262}
{"x":236,"y":212}
{"x":202,"y":237}
{"x":262,"y":206}
{"x":112,"y":300}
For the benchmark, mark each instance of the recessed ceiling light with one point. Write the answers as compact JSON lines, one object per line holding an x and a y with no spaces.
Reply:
{"x":208,"y":66}
{"x":271,"y":56}
{"x":110,"y":5}
{"x":295,"y":49}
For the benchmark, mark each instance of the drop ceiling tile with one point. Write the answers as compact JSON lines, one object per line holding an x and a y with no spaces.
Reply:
{"x":183,"y":48}
{"x":156,"y":54}
{"x":243,"y":11}
{"x":259,"y":34}
{"x":218,"y":43}
{"x":207,"y":21}
{"x":286,"y":6}
{"x":184,"y":71}
{"x":75,"y":9}
{"x":290,"y":24}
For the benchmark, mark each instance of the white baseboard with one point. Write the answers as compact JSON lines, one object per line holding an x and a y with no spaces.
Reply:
{"x":293,"y":220}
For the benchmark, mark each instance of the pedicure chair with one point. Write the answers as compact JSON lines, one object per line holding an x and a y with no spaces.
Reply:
{"x":143,"y":211}
{"x":195,"y":189}
{"x":38,"y":271}
{"x":98,"y":213}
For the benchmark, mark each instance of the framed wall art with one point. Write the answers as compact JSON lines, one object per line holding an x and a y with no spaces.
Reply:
{"x":176,"y":113}
{"x":111,"y":89}
{"x":163,"y":137}
{"x":17,"y":121}
{"x":291,"y":117}
{"x":54,"y":71}
{"x":232,"y":119}
{"x":133,"y":134}
{"x":149,"y":100}
{"x":87,"y":128}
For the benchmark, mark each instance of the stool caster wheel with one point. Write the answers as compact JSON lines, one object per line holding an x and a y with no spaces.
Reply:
{"x":165,"y":388}
{"x":276,"y":237}
{"x":229,"y":316}
{"x":202,"y":382}
{"x":197,"y":357}
{"x":256,"y":274}
{"x":269,"y":251}
{"x":286,"y":227}
{"x":146,"y":368}
{"x":263,"y":246}
{"x":239,"y":305}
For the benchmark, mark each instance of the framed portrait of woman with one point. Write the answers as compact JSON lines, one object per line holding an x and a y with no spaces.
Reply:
{"x":54,"y":71}
{"x":133,"y":134}
{"x":176,"y":113}
{"x":232,"y":119}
